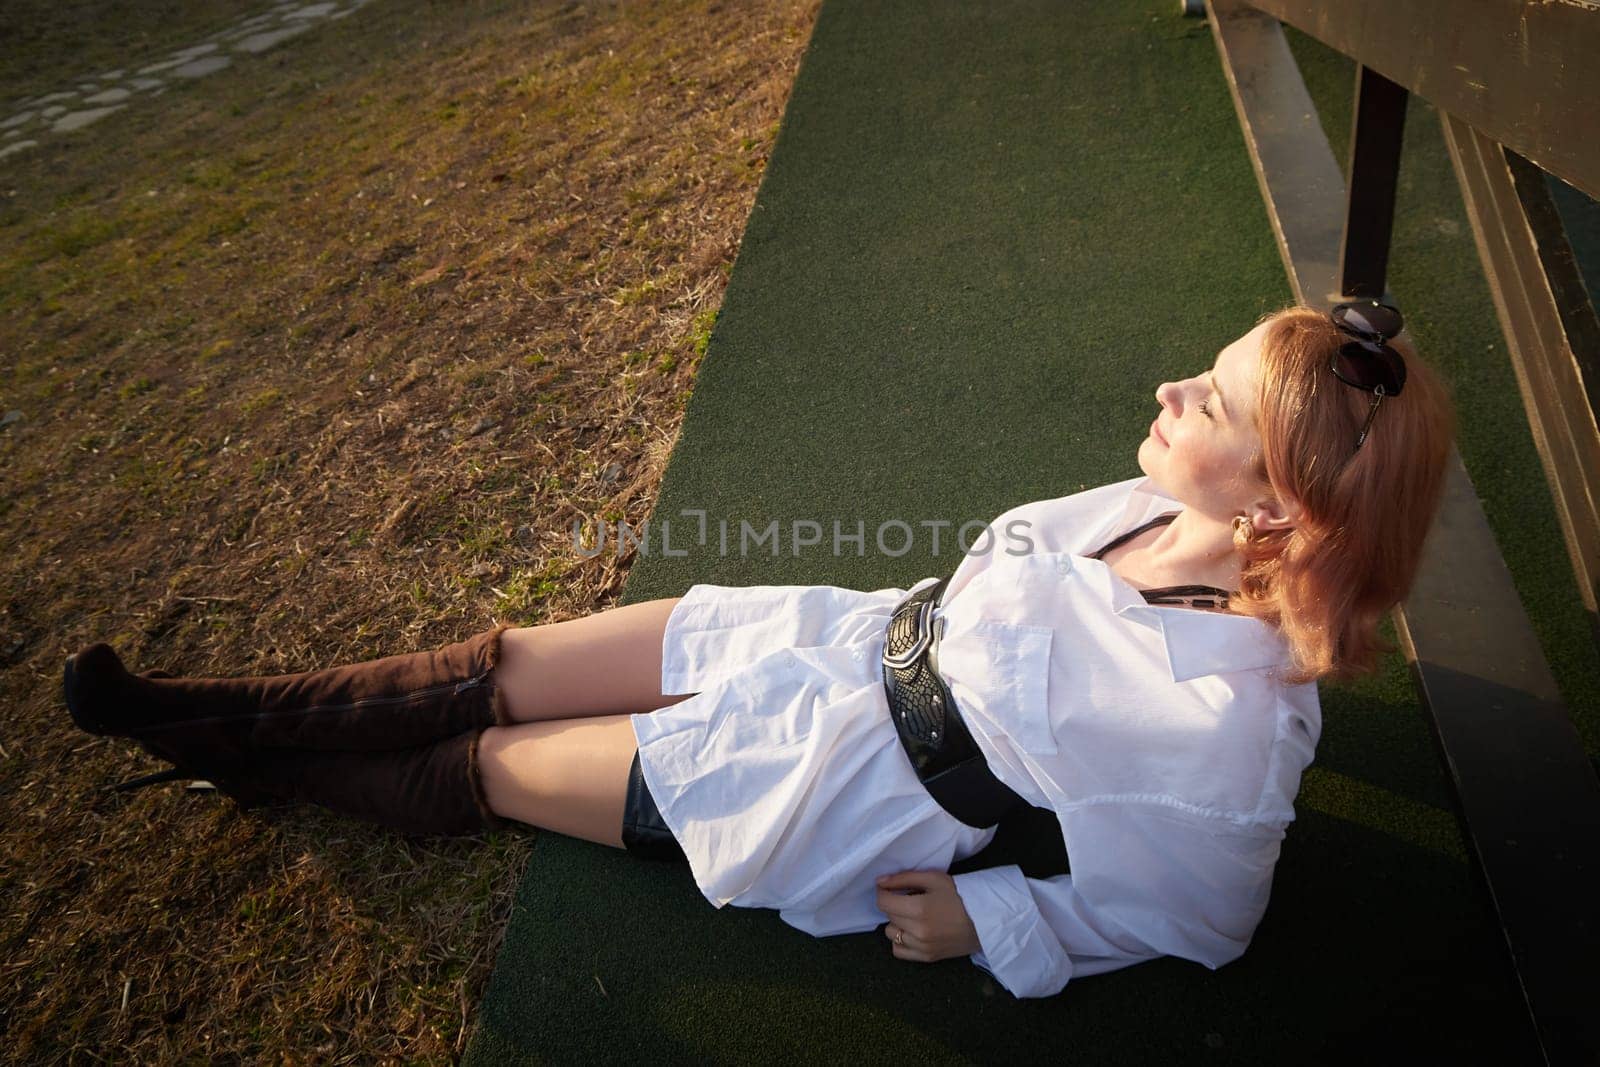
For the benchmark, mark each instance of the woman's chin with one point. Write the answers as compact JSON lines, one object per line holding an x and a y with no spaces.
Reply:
{"x":1153,"y":471}
{"x":1146,"y":456}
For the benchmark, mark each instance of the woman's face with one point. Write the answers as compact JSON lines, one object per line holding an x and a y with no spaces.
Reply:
{"x":1204,"y":437}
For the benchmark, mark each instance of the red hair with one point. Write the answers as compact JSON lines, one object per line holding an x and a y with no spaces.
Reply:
{"x":1364,"y":513}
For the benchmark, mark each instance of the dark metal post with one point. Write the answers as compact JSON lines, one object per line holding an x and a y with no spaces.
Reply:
{"x":1376,"y":130}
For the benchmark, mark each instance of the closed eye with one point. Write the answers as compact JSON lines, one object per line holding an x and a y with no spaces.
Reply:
{"x":1214,"y":388}
{"x":1205,"y":409}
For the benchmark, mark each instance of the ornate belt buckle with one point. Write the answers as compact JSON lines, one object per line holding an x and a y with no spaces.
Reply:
{"x":906,"y":657}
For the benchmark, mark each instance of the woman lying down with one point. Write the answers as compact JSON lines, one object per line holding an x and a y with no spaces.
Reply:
{"x":1140,"y":658}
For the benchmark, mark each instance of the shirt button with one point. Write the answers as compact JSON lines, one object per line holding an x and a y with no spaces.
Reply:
{"x":1063,"y":567}
{"x":857,"y":655}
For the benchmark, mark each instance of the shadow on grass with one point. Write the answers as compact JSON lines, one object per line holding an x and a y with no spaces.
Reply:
{"x":627,"y":959}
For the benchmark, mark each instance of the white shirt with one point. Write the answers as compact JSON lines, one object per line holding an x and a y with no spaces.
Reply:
{"x":1155,"y":733}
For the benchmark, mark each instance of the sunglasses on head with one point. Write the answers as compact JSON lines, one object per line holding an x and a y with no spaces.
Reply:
{"x":1367,"y":361}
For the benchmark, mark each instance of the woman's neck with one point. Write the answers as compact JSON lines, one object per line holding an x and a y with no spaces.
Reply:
{"x":1192,"y":549}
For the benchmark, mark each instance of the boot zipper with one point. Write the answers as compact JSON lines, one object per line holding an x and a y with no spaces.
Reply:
{"x":473,"y":683}
{"x":458,"y":687}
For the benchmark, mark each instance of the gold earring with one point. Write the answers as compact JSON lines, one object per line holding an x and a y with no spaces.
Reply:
{"x":1243,"y":531}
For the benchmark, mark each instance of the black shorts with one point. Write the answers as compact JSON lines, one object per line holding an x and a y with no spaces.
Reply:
{"x":643,"y":831}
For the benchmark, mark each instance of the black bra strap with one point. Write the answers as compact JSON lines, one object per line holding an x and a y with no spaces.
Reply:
{"x":1159,"y":520}
{"x":1170,"y":594}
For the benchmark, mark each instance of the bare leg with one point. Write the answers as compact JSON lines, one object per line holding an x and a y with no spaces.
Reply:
{"x":569,"y":775}
{"x":608,"y":663}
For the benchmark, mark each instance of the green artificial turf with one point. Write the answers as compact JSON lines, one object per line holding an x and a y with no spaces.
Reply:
{"x":986,"y":232}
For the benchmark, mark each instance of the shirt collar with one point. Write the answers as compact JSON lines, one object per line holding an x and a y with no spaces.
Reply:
{"x":1204,"y":642}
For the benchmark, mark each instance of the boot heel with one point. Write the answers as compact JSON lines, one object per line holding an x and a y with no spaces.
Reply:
{"x":171,"y":774}
{"x":245,"y":795}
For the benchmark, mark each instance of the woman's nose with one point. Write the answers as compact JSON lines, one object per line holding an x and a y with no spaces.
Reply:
{"x":1167,"y":394}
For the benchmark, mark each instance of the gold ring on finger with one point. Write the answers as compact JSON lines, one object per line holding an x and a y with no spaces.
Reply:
{"x":900,"y":938}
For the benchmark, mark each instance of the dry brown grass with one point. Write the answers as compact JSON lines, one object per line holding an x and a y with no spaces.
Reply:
{"x":318,"y":361}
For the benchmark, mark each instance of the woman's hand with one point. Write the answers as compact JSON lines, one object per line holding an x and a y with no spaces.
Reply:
{"x":927,"y":920}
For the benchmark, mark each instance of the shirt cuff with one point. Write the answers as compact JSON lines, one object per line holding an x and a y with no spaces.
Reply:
{"x":1018,"y":946}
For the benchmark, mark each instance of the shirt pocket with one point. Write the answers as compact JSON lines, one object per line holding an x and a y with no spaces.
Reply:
{"x":1016,"y":686}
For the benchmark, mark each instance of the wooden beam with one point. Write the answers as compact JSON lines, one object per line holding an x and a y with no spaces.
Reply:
{"x":1553,"y":340}
{"x":1528,"y":794}
{"x":1523,"y":72}
{"x":1299,"y":178}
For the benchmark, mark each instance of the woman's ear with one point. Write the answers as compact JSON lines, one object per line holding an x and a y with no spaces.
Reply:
{"x":1269,"y":515}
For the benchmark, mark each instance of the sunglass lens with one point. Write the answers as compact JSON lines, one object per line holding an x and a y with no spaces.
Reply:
{"x":1379,"y":320}
{"x":1367,"y":366}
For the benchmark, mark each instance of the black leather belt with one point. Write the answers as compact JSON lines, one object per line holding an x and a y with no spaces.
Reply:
{"x":946,"y":758}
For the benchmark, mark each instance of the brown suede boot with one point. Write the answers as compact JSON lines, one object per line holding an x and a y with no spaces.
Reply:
{"x":429,"y":789}
{"x":396,"y":702}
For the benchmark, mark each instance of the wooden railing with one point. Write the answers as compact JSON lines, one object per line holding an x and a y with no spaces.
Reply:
{"x":1517,"y":86}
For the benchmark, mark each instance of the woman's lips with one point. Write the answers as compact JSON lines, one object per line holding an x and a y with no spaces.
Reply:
{"x":1155,"y":431}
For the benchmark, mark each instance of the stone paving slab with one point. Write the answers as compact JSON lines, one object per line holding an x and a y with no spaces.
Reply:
{"x":199,"y":68}
{"x":64,"y":111}
{"x":260,"y":42}
{"x":77,"y":120}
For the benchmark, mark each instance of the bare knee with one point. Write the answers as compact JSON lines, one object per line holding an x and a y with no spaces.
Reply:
{"x":607,"y":663}
{"x":569,"y":776}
